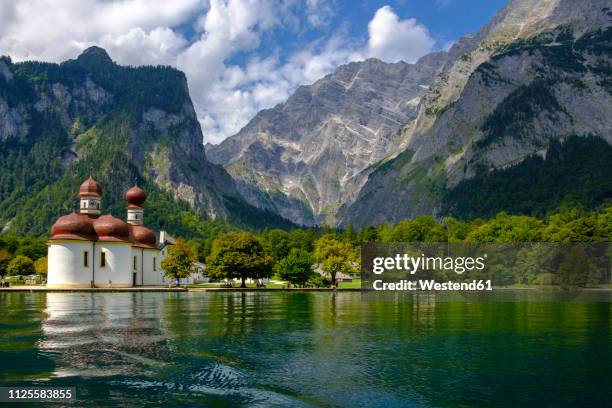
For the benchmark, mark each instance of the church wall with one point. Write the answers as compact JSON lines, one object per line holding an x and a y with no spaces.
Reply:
{"x":66,"y":264}
{"x":153,"y":273}
{"x":118,"y":270}
{"x":138,"y":270}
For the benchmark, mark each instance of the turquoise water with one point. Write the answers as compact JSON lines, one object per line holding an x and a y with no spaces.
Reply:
{"x":307,"y":349}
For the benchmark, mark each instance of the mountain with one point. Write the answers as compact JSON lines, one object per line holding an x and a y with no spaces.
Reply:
{"x":61,"y":122}
{"x":519,"y":119}
{"x":305,"y":158}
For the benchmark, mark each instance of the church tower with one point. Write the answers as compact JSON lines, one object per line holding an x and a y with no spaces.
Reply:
{"x":135,"y":197}
{"x":90,"y":195}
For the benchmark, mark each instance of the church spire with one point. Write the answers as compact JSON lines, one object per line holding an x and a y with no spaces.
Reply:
{"x":90,"y":195}
{"x":135,"y":197}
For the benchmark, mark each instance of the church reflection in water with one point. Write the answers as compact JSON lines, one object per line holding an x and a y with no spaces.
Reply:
{"x":99,"y":335}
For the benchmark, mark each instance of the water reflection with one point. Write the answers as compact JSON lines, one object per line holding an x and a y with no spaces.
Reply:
{"x":92,"y":335}
{"x":307,"y":349}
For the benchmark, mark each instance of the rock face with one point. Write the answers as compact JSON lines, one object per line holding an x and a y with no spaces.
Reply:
{"x":120,"y":123}
{"x":540,"y":71}
{"x":306,"y":157}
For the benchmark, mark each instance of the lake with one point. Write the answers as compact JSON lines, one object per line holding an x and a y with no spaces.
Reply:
{"x":309,"y":349}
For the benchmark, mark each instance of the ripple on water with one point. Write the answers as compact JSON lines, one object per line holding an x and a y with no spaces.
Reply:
{"x":307,"y":349}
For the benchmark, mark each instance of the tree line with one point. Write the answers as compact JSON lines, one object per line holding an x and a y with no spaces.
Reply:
{"x":315,"y":257}
{"x":297,"y":255}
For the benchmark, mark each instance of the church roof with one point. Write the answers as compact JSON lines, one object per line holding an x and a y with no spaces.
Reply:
{"x":104,"y":228}
{"x":111,"y":229}
{"x":90,"y":187}
{"x":135,"y":196}
{"x":74,"y":226}
{"x":142,"y":237}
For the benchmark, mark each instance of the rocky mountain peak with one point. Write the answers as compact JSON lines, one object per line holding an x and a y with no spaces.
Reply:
{"x":304,"y":158}
{"x":538,"y":73}
{"x":95,"y":54}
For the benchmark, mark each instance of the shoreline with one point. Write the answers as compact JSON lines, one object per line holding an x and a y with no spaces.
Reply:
{"x":24,"y":288}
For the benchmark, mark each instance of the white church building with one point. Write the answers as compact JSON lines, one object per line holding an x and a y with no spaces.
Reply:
{"x":87,"y":249}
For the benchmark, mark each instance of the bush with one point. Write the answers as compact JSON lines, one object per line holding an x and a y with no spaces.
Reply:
{"x":318,"y":281}
{"x":296,"y":267}
{"x":21,"y":265}
{"x":545,"y":279}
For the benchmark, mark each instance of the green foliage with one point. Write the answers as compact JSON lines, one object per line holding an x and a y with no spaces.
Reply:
{"x":576,"y":172}
{"x":179,"y":260}
{"x":21,"y":265}
{"x":279,"y":243}
{"x":34,"y":248}
{"x":318,"y":281}
{"x":5,"y":259}
{"x":368,"y":234}
{"x":335,"y":256}
{"x":247,"y":216}
{"x":295,"y":267}
{"x":41,"y":266}
{"x":508,"y":228}
{"x":514,"y":116}
{"x":422,"y":229}
{"x":41,"y":170}
{"x":238,"y":255}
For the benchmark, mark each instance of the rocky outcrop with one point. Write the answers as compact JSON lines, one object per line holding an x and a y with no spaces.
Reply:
{"x":121,"y":123}
{"x":306,"y":157}
{"x":538,"y":72}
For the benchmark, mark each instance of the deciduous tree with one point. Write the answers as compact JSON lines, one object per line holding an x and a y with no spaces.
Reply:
{"x":21,"y":265}
{"x":41,"y":266}
{"x":335,"y":256}
{"x":295,"y":267}
{"x":179,"y":260}
{"x":238,"y":255}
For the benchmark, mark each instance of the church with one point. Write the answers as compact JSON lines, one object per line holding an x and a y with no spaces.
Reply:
{"x":87,"y":249}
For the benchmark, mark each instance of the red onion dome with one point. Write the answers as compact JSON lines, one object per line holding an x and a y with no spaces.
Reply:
{"x":135,"y":196}
{"x":111,"y":229}
{"x":143,"y":237}
{"x":73,"y":226}
{"x":90,"y":187}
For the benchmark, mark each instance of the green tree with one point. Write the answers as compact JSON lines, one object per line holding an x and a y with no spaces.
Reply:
{"x":41,"y":266}
{"x":277,"y":243}
{"x":368,"y":234}
{"x":238,"y":255}
{"x":335,"y":257}
{"x":303,"y":239}
{"x":33,"y":248}
{"x":5,"y":259}
{"x":179,"y":260}
{"x":508,"y":228}
{"x":318,"y":281}
{"x":21,"y":265}
{"x":295,"y":267}
{"x":422,"y":229}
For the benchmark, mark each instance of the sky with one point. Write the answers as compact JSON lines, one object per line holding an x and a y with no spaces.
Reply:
{"x":239,"y":56}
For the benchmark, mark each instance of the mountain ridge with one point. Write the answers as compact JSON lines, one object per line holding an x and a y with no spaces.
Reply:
{"x":514,"y":89}
{"x":90,"y":115}
{"x":304,"y":157}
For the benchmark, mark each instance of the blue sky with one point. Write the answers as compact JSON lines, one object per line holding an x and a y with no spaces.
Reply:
{"x":239,"y":56}
{"x":446,"y":20}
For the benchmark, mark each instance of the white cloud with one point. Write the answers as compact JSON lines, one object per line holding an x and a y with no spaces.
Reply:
{"x":225,"y":96}
{"x":392,"y":39}
{"x":320,"y":12}
{"x":56,"y":30}
{"x":137,"y":47}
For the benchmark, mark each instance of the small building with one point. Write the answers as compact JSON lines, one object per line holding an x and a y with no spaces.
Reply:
{"x":87,"y":249}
